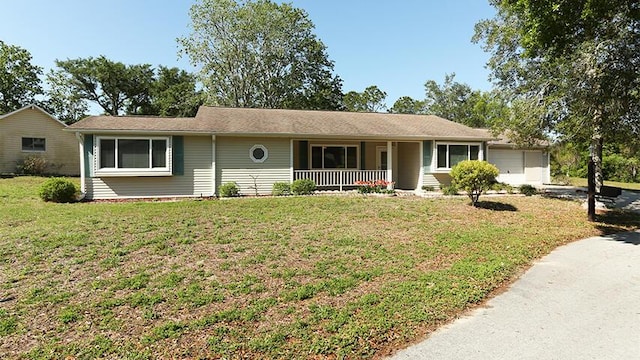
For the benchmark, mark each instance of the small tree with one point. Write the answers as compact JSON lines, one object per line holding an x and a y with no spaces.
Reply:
{"x":474,"y":177}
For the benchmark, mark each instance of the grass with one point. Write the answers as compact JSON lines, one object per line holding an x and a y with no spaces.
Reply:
{"x":295,"y":277}
{"x":583,"y":182}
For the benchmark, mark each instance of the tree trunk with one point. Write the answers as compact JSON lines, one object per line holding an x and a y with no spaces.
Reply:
{"x":591,"y":186}
{"x":596,"y":149}
{"x":594,"y":173}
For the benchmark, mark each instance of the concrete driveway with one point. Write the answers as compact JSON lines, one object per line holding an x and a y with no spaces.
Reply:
{"x":582,"y":301}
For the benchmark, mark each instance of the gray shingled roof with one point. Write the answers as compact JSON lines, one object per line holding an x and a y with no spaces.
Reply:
{"x":503,"y":140}
{"x":273,"y":122}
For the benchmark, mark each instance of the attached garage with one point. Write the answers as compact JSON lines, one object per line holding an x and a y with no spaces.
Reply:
{"x":519,"y":167}
{"x":510,"y":163}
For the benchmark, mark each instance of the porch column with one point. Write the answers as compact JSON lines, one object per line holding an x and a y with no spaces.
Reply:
{"x":80,"y":138}
{"x":213,"y":166}
{"x":291,"y":168}
{"x":389,"y":164}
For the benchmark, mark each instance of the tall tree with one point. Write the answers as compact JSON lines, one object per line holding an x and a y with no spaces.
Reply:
{"x":117,"y":88}
{"x":408,"y":105}
{"x":19,"y":81}
{"x":120,"y":89}
{"x":62,"y":101}
{"x":458,"y":102}
{"x":174,"y":93}
{"x":578,"y":61}
{"x":260,"y":54}
{"x":370,"y":100}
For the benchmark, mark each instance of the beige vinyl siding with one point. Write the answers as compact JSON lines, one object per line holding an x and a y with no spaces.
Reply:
{"x":61,"y":148}
{"x":234,"y":165}
{"x":430,"y":180}
{"x":408,"y":165}
{"x":196,"y":181}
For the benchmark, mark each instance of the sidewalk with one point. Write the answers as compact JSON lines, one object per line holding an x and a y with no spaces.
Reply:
{"x":582,"y":301}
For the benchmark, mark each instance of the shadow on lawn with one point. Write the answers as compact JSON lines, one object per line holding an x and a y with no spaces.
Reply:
{"x":495,"y":206}
{"x":617,"y":221}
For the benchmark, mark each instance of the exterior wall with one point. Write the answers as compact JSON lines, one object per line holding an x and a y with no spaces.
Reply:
{"x":408,"y":165}
{"x":234,"y":165}
{"x":371,"y":154}
{"x":196,"y":181}
{"x":61,"y":148}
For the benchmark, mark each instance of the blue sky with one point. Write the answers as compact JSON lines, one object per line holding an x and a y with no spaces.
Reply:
{"x":396,"y":45}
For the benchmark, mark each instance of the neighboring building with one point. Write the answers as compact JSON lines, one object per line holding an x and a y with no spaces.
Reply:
{"x":172,"y":157}
{"x":31,"y":131}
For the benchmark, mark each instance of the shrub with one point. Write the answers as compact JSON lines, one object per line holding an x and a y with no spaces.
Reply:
{"x":377,"y":186}
{"x":32,"y":165}
{"x":450,"y":189}
{"x":428,"y":188}
{"x":58,"y":190}
{"x":229,"y":189}
{"x":303,"y":187}
{"x":281,"y":189}
{"x":474,"y":177}
{"x":527,"y":190}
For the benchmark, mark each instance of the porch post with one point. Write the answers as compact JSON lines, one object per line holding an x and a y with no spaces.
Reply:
{"x":421,"y":174}
{"x":389,"y":164}
{"x":213,"y":166}
{"x":291,"y":172}
{"x":80,"y":138}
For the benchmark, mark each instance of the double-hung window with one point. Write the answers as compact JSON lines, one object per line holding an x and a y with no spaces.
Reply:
{"x":334,"y":157}
{"x":448,"y":155}
{"x":129,"y":156}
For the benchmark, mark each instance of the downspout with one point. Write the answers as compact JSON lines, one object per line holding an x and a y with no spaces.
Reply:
{"x":80,"y":138}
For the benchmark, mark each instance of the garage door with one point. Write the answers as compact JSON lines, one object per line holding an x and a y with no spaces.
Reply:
{"x":533,"y":166}
{"x":510,"y":163}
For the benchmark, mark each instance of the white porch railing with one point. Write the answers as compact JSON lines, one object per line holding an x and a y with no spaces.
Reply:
{"x":339,"y":178}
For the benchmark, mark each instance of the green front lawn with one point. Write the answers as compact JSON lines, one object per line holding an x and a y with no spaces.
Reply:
{"x":583,"y":182}
{"x":298,"y":277}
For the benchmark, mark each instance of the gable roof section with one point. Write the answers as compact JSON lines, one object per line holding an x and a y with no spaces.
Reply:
{"x":291,"y":123}
{"x":33,"y":107}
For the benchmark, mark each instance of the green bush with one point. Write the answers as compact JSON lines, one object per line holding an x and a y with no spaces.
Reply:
{"x":451,"y":189}
{"x":428,"y":188}
{"x":281,"y":189}
{"x":32,"y":165}
{"x":303,"y":187}
{"x":527,"y":190}
{"x":58,"y":190}
{"x":474,"y":177}
{"x":229,"y":189}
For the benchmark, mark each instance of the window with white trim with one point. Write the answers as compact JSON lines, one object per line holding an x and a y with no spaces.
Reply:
{"x":448,"y":155}
{"x":133,"y":156}
{"x":334,"y":156}
{"x":34,"y":144}
{"x":258,"y":153}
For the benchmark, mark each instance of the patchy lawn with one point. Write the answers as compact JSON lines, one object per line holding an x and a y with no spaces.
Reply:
{"x":300,"y":277}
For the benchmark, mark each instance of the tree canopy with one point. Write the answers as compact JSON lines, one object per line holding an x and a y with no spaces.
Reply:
{"x":408,"y":105}
{"x":370,"y":100}
{"x":572,"y":65}
{"x":260,"y":54}
{"x":120,"y":89}
{"x":19,"y":82}
{"x":458,"y":102}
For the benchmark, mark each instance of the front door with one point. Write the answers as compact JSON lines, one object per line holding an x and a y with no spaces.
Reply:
{"x":381,"y":157}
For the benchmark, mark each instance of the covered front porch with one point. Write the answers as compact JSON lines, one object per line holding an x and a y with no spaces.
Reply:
{"x":342,"y":164}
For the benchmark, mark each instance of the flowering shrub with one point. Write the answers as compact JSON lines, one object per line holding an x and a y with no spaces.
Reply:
{"x":376,"y":186}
